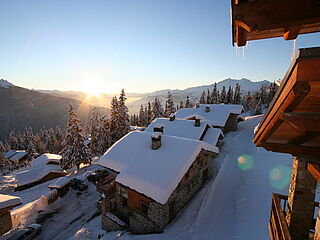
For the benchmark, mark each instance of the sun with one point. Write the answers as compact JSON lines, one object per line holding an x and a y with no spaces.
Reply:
{"x":91,"y":89}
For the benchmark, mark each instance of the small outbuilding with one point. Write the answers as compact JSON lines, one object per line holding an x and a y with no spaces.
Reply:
{"x":61,"y":185}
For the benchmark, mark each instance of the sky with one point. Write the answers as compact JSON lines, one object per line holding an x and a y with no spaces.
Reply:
{"x":139,"y":45}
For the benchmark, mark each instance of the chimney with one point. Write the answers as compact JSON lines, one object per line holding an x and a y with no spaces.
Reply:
{"x":197,"y":105}
{"x":156,"y":141}
{"x":207,"y":109}
{"x":172,"y":117}
{"x":158,"y":129}
{"x":197,"y":122}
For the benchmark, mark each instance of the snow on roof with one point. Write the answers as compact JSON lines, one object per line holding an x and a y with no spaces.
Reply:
{"x":45,"y":159}
{"x":212,"y":136}
{"x":233,"y":108}
{"x":7,"y":201}
{"x":178,"y":127}
{"x":61,"y":182}
{"x":133,"y":128}
{"x":217,"y":116}
{"x":155,"y":173}
{"x":10,"y":153}
{"x":35,"y":174}
{"x":115,"y":219}
{"x":18,"y":155}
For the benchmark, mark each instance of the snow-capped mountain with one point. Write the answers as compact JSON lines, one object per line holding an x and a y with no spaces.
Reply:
{"x":5,"y":83}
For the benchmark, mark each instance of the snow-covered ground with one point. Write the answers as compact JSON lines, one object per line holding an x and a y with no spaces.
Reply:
{"x":236,"y":205}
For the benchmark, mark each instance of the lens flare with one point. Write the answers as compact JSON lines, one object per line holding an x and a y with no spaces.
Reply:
{"x":245,"y":162}
{"x":279,"y":177}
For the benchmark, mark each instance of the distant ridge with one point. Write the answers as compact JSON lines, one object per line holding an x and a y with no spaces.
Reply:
{"x":5,"y":84}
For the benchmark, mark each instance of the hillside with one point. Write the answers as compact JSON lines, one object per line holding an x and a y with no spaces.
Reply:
{"x":236,"y":205}
{"x":21,"y":107}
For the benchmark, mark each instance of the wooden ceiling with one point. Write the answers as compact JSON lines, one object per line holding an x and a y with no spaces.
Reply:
{"x":260,"y":19}
{"x":292,"y":121}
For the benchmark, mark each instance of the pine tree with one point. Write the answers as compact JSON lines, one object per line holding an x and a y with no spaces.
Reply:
{"x":74,"y":151}
{"x":94,"y":131}
{"x":209,"y":100}
{"x":203,"y":98}
{"x":142,"y":117}
{"x":104,"y":141}
{"x":114,"y":120}
{"x":230,"y":95}
{"x":30,"y":144}
{"x":247,"y":101}
{"x":214,"y":95}
{"x":13,"y":141}
{"x":157,"y":110}
{"x":149,"y":111}
{"x":223,"y":95}
{"x":181,"y":104}
{"x":237,"y":94}
{"x":123,"y":117}
{"x":272,"y":92}
{"x":170,"y":108}
{"x":187,"y":103}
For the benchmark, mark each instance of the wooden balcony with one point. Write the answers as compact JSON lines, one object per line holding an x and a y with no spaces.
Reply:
{"x":278,"y":228}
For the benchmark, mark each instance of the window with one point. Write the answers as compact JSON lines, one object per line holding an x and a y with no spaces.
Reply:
{"x":124,"y":201}
{"x":144,"y":207}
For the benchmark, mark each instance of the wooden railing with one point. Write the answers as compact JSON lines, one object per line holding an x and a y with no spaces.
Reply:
{"x":278,"y":227}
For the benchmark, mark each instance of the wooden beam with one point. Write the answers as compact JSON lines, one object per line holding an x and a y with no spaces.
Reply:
{"x":314,"y":169}
{"x":292,"y":33}
{"x":290,"y":148}
{"x":241,"y":36}
{"x":302,"y":120}
{"x":304,"y":137}
{"x":243,"y":25}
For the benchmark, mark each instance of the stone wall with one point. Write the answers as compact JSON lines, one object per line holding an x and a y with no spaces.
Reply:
{"x":232,"y":122}
{"x":141,"y":224}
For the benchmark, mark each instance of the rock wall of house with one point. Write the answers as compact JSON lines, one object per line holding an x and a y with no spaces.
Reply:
{"x":232,"y":123}
{"x":110,"y":225}
{"x":141,"y":224}
{"x":5,"y":221}
{"x":159,"y":214}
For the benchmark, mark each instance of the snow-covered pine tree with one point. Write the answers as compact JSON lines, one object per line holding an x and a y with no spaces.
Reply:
{"x":203,"y":98}
{"x":170,"y":108}
{"x":3,"y":147}
{"x":30,"y":144}
{"x":149,"y":111}
{"x":214,"y":94}
{"x":237,"y":94}
{"x":209,"y":100}
{"x":114,"y":126}
{"x":94,"y":125}
{"x":123,"y":117}
{"x":181,"y":105}
{"x":142,"y":117}
{"x":272,"y":92}
{"x":230,"y":95}
{"x":157,"y":110}
{"x":187,"y":102}
{"x":223,"y":95}
{"x":104,"y":141}
{"x":74,"y":150}
{"x":13,"y":141}
{"x":247,"y":101}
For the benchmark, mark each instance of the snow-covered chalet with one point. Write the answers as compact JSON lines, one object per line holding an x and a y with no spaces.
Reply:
{"x":154,"y":175}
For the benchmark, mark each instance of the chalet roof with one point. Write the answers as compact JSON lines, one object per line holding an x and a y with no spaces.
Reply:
{"x":154,"y":173}
{"x":291,"y":123}
{"x":259,"y":19}
{"x":213,"y":135}
{"x":7,"y":201}
{"x":217,"y":116}
{"x":18,"y":155}
{"x":45,"y":159}
{"x":36,"y":174}
{"x":178,"y":127}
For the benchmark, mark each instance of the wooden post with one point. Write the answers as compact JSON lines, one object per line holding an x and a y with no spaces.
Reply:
{"x":300,"y":199}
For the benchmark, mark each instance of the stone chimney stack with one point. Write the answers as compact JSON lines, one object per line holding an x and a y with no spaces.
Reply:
{"x":207,"y":109}
{"x":156,"y":141}
{"x":197,"y":122}
{"x":197,"y":105}
{"x":158,"y":129}
{"x":172,"y":117}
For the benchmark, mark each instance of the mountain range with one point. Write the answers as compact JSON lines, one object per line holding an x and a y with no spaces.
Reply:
{"x":136,"y":99}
